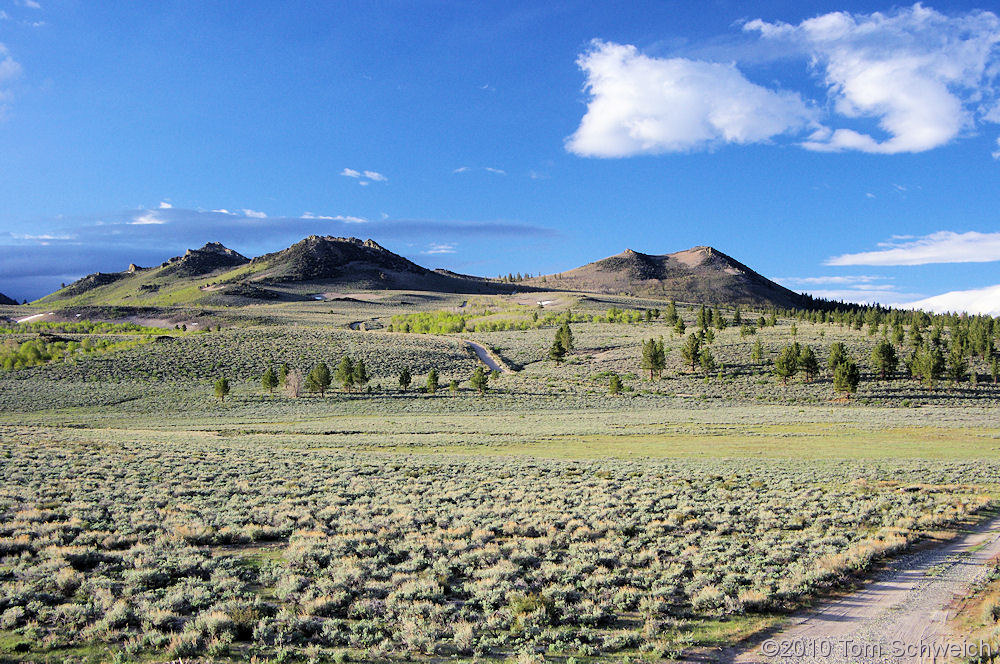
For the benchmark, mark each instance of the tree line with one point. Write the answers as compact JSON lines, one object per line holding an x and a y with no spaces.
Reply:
{"x":349,"y":375}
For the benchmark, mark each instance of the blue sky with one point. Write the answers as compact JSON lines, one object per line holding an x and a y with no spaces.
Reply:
{"x":847,"y":149}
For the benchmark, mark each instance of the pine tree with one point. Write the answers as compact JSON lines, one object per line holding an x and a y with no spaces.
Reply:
{"x":360,"y":374}
{"x":283,"y":373}
{"x":565,"y":336}
{"x":679,"y":327}
{"x":221,"y":389}
{"x":479,"y":380}
{"x":404,"y":379}
{"x":659,"y":357}
{"x":653,"y":358}
{"x":704,"y":318}
{"x":672,"y":316}
{"x":838,"y":353}
{"x":787,"y":363}
{"x":707,"y":361}
{"x":898,"y":336}
{"x":884,"y":358}
{"x":614,"y":384}
{"x":318,"y":379}
{"x":757,"y":351}
{"x":995,"y":370}
{"x":846,"y":377}
{"x":557,"y":353}
{"x":928,"y":364}
{"x":269,"y":380}
{"x":345,"y":373}
{"x":691,"y":350}
{"x":916,"y":338}
{"x":737,"y":316}
{"x":808,"y":363}
{"x":453,"y":386}
{"x":432,"y":381}
{"x":958,"y":368}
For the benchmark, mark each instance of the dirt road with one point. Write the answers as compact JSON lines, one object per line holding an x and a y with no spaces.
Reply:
{"x":906,"y":606}
{"x":486,"y":358}
{"x":484,"y":355}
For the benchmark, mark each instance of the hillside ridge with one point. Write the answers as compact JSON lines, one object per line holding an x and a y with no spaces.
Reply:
{"x":699,"y":274}
{"x":215,"y":274}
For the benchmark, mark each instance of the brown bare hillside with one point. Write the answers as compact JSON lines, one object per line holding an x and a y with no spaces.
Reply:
{"x":701,"y":274}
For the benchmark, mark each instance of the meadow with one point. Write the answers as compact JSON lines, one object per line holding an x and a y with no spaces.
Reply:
{"x":143,"y":519}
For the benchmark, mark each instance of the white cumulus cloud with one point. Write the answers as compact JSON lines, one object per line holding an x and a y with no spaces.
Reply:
{"x":977,"y":301}
{"x":645,"y":105}
{"x":253,"y":214}
{"x":903,"y":81}
{"x":923,"y":76}
{"x":165,"y":205}
{"x":940,"y":247}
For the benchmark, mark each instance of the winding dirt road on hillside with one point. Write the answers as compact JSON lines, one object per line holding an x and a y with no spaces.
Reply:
{"x":484,"y":354}
{"x":907,"y":605}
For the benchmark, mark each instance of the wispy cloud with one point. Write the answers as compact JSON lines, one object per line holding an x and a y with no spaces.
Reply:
{"x":858,"y":288}
{"x":10,"y":71}
{"x":253,"y":214}
{"x":165,"y":205}
{"x":488,"y":169}
{"x":940,"y":247}
{"x":346,"y":218}
{"x":147,"y":218}
{"x":61,"y":249}
{"x":645,"y":105}
{"x":841,"y":280}
{"x":442,"y":248}
{"x":44,"y":237}
{"x":364,"y":178}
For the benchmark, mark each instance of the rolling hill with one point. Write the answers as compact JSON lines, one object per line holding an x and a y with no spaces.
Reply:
{"x":217,"y":275}
{"x":700,"y":274}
